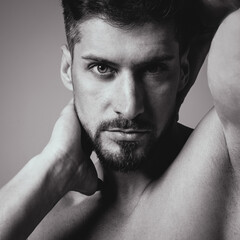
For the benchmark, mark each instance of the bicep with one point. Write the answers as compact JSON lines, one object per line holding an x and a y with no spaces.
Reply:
{"x":224,"y":80}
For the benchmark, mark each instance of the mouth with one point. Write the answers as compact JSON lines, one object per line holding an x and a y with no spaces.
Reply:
{"x":129,"y":130}
{"x":133,"y":135}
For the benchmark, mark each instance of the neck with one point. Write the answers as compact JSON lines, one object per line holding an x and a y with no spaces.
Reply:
{"x":125,"y":190}
{"x":126,"y":185}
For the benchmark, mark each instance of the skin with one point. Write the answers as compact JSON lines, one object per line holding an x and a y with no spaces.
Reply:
{"x":196,"y":197}
{"x":136,"y":85}
{"x":121,"y":210}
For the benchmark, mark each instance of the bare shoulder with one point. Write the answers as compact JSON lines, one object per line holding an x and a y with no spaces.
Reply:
{"x":68,"y":216}
{"x":204,"y":157}
{"x":207,"y":142}
{"x":196,"y":189}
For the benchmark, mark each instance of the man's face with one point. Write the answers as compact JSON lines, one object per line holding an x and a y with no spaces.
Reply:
{"x":125,"y":85}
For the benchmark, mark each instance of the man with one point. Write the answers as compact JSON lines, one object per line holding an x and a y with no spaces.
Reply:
{"x":127,"y":64}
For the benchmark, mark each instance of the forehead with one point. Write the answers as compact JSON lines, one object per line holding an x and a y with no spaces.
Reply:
{"x":102,"y":39}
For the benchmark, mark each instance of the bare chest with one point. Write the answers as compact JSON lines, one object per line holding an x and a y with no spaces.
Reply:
{"x":189,"y":203}
{"x":152,"y":221}
{"x":180,"y":211}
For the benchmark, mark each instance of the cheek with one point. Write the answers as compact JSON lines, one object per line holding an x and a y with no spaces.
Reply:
{"x":162,"y":102}
{"x":163,"y":96}
{"x":85,"y":92}
{"x":163,"y":91}
{"x":90,"y":101}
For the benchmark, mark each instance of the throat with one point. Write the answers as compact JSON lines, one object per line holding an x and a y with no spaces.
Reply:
{"x":125,"y":191}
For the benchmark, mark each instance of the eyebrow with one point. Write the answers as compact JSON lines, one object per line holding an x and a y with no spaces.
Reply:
{"x":99,"y":59}
{"x":147,"y":61}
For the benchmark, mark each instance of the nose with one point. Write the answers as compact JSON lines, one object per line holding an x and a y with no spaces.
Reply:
{"x":129,"y":97}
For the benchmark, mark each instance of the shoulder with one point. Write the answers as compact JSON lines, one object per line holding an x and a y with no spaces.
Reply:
{"x":195,"y":186}
{"x":207,"y":144}
{"x":204,"y":158}
{"x":208,"y":135}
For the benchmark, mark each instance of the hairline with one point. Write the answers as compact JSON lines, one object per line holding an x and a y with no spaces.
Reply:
{"x":77,"y":33}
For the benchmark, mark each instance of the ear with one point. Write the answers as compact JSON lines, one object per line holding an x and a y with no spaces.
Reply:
{"x":66,"y":65}
{"x":184,"y":71}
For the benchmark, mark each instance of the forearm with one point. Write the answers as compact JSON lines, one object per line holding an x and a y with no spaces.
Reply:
{"x":30,"y":195}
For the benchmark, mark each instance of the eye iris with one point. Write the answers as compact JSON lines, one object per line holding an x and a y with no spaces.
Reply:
{"x":102,"y":68}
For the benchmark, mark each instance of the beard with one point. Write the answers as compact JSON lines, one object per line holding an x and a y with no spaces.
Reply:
{"x":132,"y":154}
{"x":125,"y":160}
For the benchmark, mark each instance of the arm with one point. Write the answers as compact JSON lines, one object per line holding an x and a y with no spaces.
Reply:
{"x":61,"y":167}
{"x":224,"y":81}
{"x":209,"y":14}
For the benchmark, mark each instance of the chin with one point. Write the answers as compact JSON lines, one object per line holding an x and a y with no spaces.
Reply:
{"x":129,"y":157}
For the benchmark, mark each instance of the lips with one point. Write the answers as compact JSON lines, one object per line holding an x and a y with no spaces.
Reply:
{"x":127,"y":134}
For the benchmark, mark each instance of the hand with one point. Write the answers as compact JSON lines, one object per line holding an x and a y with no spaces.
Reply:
{"x":65,"y":146}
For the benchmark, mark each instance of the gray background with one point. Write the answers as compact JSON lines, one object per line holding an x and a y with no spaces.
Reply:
{"x":31,"y":92}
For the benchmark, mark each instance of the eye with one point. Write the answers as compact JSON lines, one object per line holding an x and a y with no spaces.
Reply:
{"x":102,"y":69}
{"x":156,"y":68}
{"x":153,"y":69}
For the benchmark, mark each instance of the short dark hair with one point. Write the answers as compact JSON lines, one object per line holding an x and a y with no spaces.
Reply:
{"x":124,"y":13}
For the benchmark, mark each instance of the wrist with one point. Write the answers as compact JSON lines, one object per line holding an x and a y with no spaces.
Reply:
{"x":61,"y":168}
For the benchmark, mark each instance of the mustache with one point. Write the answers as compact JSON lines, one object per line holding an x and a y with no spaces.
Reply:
{"x":121,"y":123}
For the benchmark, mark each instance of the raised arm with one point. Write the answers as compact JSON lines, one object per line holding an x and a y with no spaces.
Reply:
{"x":61,"y":167}
{"x":209,"y":14}
{"x":224,"y":81}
